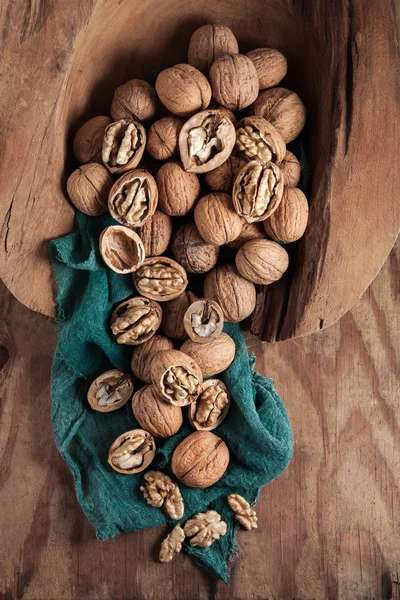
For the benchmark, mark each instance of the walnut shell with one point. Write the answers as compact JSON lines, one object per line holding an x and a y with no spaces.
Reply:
{"x":172,"y":324}
{"x":110,"y":391}
{"x":256,"y":139}
{"x":213,"y":357}
{"x":143,"y":355}
{"x":221,"y":179}
{"x":250,"y":231}
{"x":234,"y":81}
{"x":183,"y":90}
{"x":211,"y":407}
{"x":200,"y":459}
{"x":291,"y":170}
{"x":88,"y":140}
{"x":155,"y":415}
{"x":216,"y":219}
{"x":156,"y":234}
{"x":262,"y":261}
{"x":192,"y":252}
{"x":135,"y":320}
{"x":123,"y":145}
{"x":235,"y":294}
{"x":176,"y":377}
{"x":121,"y":249}
{"x":270,"y":64}
{"x":257,"y":191}
{"x":160,"y":278}
{"x":132,"y":452}
{"x":284,"y":109}
{"x":135,"y":99}
{"x":163,"y":136}
{"x":203,"y":320}
{"x":133,"y":198}
{"x":225,"y":111}
{"x":289,"y":221}
{"x":178,"y":190}
{"x":208,"y":43}
{"x":88,"y":188}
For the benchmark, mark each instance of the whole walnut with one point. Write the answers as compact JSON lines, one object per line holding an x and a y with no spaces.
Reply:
{"x":172,"y":323}
{"x":178,"y":190}
{"x":288,"y":223}
{"x":183,"y":90}
{"x":88,"y":140}
{"x":143,"y":355}
{"x":234,"y":81}
{"x":213,"y":356}
{"x":88,"y":188}
{"x":283,"y":109}
{"x":155,"y":415}
{"x":250,"y":231}
{"x":216,"y":219}
{"x":208,"y":43}
{"x":221,"y":178}
{"x":235,"y":294}
{"x":262,"y":261}
{"x":192,"y":251}
{"x":135,"y":99}
{"x":270,"y":64}
{"x":156,"y":234}
{"x":291,"y":170}
{"x":163,"y":136}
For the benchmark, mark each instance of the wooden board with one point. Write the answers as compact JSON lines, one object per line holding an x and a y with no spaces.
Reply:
{"x":61,"y":61}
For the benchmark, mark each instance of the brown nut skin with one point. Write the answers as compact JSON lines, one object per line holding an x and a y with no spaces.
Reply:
{"x":192,"y":251}
{"x":291,"y":170}
{"x":88,"y":140}
{"x":288,"y":223}
{"x":121,"y":249}
{"x":248,"y":144}
{"x":88,"y":188}
{"x":162,"y":138}
{"x":200,"y":459}
{"x":270,"y":64}
{"x":160,"y":278}
{"x":143,"y":355}
{"x":156,"y":234}
{"x":209,"y":386}
{"x":133,"y":212}
{"x":203,"y":320}
{"x":262,"y":261}
{"x":161,"y":365}
{"x":250,"y":231}
{"x":135,"y":99}
{"x":183,"y":90}
{"x":283,"y":109}
{"x":234,"y":81}
{"x":213,"y":357}
{"x":216,"y":219}
{"x":178,"y":190}
{"x":154,"y":414}
{"x":128,"y":323}
{"x":235,"y":294}
{"x":221,"y":179}
{"x":129,"y":134}
{"x":108,"y":384}
{"x":148,"y":440}
{"x":257,"y":191}
{"x":172,"y":324}
{"x":208,"y":43}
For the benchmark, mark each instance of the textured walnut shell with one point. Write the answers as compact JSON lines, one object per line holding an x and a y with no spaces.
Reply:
{"x":257,"y":191}
{"x":155,"y":415}
{"x":200,"y":460}
{"x":289,"y":221}
{"x":208,"y":43}
{"x":225,"y":111}
{"x":133,"y":198}
{"x":135,"y":99}
{"x":178,"y":190}
{"x":121,"y":249}
{"x":147,"y":450}
{"x":250,"y":231}
{"x":135,"y":320}
{"x":183,"y":90}
{"x":234,"y":81}
{"x":192,"y":251}
{"x":213,"y":357}
{"x":221,"y":179}
{"x":174,"y":362}
{"x":162,"y":138}
{"x":284,"y":109}
{"x":88,"y":140}
{"x":206,"y":141}
{"x":123,"y":145}
{"x":203,"y":320}
{"x":143,"y":355}
{"x":291,"y":170}
{"x":235,"y":294}
{"x":110,"y":391}
{"x":156,"y":234}
{"x":172,"y":324}
{"x":262,"y":261}
{"x":216,"y":219}
{"x":206,"y":414}
{"x":88,"y":188}
{"x":256,"y":139}
{"x":160,"y":278}
{"x":270,"y":64}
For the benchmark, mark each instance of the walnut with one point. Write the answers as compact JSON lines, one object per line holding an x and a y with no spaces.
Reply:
{"x":257,"y":191}
{"x":250,"y":231}
{"x":284,"y":109}
{"x":225,"y":111}
{"x":234,"y":81}
{"x":172,"y":324}
{"x":211,"y":407}
{"x":143,"y":355}
{"x":132,"y":452}
{"x":206,"y":140}
{"x":205,"y":529}
{"x":88,"y":140}
{"x":200,"y":459}
{"x":136,"y":100}
{"x":235,"y":294}
{"x":134,"y":321}
{"x":262,"y":261}
{"x":156,"y":234}
{"x":162,"y":138}
{"x":172,"y":544}
{"x":288,"y":223}
{"x":256,"y":139}
{"x":178,"y":190}
{"x":203,"y":320}
{"x":88,"y":188}
{"x":123,"y":145}
{"x":159,"y":490}
{"x":121,"y":249}
{"x":291,"y":170}
{"x":183,"y":90}
{"x":192,"y":252}
{"x":270,"y":64}
{"x":221,"y":178}
{"x":208,"y":43}
{"x":212,"y":357}
{"x":110,"y":390}
{"x":244,"y":514}
{"x":176,"y":377}
{"x":154,"y":415}
{"x":216,"y":219}
{"x":160,"y":278}
{"x":133,"y":198}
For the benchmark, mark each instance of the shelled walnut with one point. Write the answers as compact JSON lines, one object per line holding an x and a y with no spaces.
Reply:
{"x":192,"y":251}
{"x":163,"y":136}
{"x":135,"y":99}
{"x":262,"y":261}
{"x":172,"y":324}
{"x":121,"y":249}
{"x":176,"y":377}
{"x":154,"y":414}
{"x":217,"y":221}
{"x":183,"y":89}
{"x":243,"y":513}
{"x":205,"y":528}
{"x":172,"y":544}
{"x":160,"y":491}
{"x":133,"y":198}
{"x":200,"y":459}
{"x":88,"y":140}
{"x":160,"y":278}
{"x":134,"y":321}
{"x":203,"y":320}
{"x":257,"y":190}
{"x":211,"y":407}
{"x":257,"y":139}
{"x":212,"y":357}
{"x":123,"y":145}
{"x":142,"y":356}
{"x":208,"y":43}
{"x":110,"y":390}
{"x":132,"y":452}
{"x":235,"y":294}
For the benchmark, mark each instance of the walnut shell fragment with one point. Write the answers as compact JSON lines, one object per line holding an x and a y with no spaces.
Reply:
{"x":178,"y":190}
{"x":205,"y":529}
{"x":200,"y":459}
{"x":134,"y":321}
{"x":203,"y":320}
{"x":154,"y":414}
{"x":133,"y":198}
{"x":176,"y":377}
{"x":136,"y":100}
{"x":123,"y":145}
{"x":160,"y":278}
{"x":110,"y":390}
{"x":143,"y":355}
{"x":283,"y":109}
{"x":156,"y":234}
{"x":211,"y":407}
{"x":88,"y":140}
{"x":212,"y":357}
{"x":121,"y":249}
{"x":208,"y":43}
{"x":234,"y":81}
{"x":270,"y":64}
{"x":217,"y":221}
{"x":289,"y":222}
{"x":88,"y":188}
{"x":262,"y":261}
{"x":172,"y":544}
{"x":159,"y":490}
{"x":256,"y":139}
{"x":291,"y":170}
{"x":183,"y":90}
{"x":235,"y":294}
{"x":257,"y":191}
{"x":172,"y":324}
{"x":163,"y":136}
{"x":192,"y":251}
{"x":246,"y":516}
{"x":132,"y":452}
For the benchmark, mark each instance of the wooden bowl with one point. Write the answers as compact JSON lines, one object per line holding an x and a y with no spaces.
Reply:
{"x":61,"y":64}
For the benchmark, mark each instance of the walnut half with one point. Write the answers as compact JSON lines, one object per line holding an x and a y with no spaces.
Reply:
{"x":133,"y":198}
{"x":110,"y":390}
{"x":205,"y":528}
{"x":243,"y":513}
{"x":123,"y":145}
{"x":121,"y":249}
{"x":203,"y":320}
{"x":159,"y":490}
{"x":136,"y":320}
{"x":257,"y":191}
{"x":132,"y":452}
{"x":161,"y":279}
{"x":211,"y":407}
{"x":176,"y":377}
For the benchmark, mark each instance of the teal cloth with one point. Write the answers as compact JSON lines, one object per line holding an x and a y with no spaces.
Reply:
{"x":256,"y":429}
